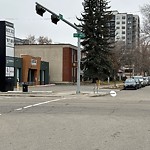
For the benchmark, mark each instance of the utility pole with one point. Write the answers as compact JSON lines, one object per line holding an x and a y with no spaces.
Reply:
{"x":55,"y":18}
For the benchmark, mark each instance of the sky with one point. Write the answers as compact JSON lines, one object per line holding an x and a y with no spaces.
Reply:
{"x":26,"y":22}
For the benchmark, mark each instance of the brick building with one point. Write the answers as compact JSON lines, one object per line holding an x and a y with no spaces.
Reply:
{"x":62,"y":59}
{"x":31,"y":70}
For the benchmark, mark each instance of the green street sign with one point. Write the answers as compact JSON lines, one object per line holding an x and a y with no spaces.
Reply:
{"x":79,"y":35}
{"x":61,"y":16}
{"x":75,"y":35}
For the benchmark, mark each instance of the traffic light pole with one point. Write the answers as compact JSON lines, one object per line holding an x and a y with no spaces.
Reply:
{"x":78,"y":65}
{"x":79,"y":50}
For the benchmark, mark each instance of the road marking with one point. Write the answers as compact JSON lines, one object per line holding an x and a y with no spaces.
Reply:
{"x":18,"y":109}
{"x":28,"y":106}
{"x":37,"y":104}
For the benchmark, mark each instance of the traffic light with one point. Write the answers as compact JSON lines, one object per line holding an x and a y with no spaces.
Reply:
{"x":54,"y":19}
{"x":39,"y":10}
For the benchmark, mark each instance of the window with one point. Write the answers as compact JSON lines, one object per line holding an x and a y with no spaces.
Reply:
{"x":118,"y":22}
{"x":129,"y":22}
{"x":123,"y":22}
{"x":123,"y":37}
{"x":118,"y":17}
{"x":123,"y":17}
{"x":123,"y":27}
{"x":112,"y":23}
{"x":117,"y":27}
{"x":117,"y":33}
{"x":123,"y":32}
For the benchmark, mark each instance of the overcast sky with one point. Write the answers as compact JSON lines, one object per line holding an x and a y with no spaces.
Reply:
{"x":22,"y":13}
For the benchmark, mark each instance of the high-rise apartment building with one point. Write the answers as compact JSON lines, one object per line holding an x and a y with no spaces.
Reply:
{"x":126,"y":28}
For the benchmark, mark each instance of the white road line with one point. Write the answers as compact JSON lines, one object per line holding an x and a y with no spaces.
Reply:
{"x":55,"y":100}
{"x":18,"y":109}
{"x":46,"y":102}
{"x":28,"y":106}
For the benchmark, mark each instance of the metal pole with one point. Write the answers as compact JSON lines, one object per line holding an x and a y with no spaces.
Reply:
{"x":78,"y":66}
{"x":78,"y":52}
{"x":64,"y":20}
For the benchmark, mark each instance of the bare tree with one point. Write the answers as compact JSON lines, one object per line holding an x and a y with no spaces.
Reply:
{"x":145,"y":10}
{"x":137,"y":61}
{"x":145,"y":52}
{"x":117,"y":58}
{"x":145,"y":42}
{"x":44,"y":40}
{"x":142,"y":57}
{"x":40,"y":40}
{"x":31,"y":39}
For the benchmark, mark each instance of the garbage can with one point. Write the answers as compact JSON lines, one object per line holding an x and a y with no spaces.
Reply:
{"x":25,"y":87}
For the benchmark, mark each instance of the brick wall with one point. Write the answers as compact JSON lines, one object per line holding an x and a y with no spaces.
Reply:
{"x":67,"y":64}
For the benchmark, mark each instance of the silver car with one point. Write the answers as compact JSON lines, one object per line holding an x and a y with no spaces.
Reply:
{"x":141,"y":80}
{"x":147,"y":80}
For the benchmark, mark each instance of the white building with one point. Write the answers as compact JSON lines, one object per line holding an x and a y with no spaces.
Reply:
{"x":127,"y":29}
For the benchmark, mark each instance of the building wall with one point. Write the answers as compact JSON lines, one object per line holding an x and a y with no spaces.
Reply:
{"x":48,"y":53}
{"x":127,"y":29}
{"x":120,"y":25}
{"x":136,"y":28}
{"x":28,"y":64}
{"x":67,"y":64}
{"x":129,"y":40}
{"x":21,"y":70}
{"x":18,"y":65}
{"x":45,"y":68}
{"x":58,"y":56}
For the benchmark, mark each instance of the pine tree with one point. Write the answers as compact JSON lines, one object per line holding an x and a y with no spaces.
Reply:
{"x":95,"y":22}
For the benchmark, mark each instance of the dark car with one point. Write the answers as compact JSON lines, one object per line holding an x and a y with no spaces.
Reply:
{"x":130,"y":84}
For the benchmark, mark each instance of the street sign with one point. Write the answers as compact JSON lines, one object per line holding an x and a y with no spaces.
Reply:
{"x":61,"y":16}
{"x":79,"y":35}
{"x":113,"y":93}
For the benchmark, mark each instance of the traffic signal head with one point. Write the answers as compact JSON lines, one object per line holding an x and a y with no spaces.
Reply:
{"x":54,"y":19}
{"x":39,"y":10}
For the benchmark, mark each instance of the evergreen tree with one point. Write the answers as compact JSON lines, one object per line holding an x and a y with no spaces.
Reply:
{"x":95,"y":22}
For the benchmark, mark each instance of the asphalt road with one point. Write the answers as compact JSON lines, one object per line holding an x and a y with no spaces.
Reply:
{"x":76,"y":122}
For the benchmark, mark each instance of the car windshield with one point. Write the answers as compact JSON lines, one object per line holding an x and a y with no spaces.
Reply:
{"x":129,"y":81}
{"x":137,"y":77}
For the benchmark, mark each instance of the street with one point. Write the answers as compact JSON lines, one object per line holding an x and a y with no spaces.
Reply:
{"x":76,"y":122}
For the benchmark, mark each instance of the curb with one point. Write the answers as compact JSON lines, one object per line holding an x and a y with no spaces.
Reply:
{"x":51,"y":94}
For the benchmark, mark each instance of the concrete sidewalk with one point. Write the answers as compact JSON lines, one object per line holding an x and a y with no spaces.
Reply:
{"x":51,"y":94}
{"x":60,"y":91}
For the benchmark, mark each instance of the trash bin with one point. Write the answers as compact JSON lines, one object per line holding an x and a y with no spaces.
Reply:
{"x":25,"y":87}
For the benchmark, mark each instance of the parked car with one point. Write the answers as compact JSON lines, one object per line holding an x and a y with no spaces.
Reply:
{"x":130,"y":84}
{"x":139,"y":85}
{"x":141,"y":80}
{"x":147,"y":80}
